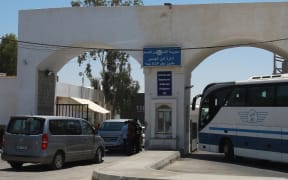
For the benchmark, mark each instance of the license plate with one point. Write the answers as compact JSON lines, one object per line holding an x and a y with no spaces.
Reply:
{"x":22,"y":148}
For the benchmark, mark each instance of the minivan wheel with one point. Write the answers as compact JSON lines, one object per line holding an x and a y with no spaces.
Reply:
{"x":15,"y":165}
{"x":98,"y":156}
{"x":58,"y":161}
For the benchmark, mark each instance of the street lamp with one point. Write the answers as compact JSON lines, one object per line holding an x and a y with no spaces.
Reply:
{"x":81,"y":74}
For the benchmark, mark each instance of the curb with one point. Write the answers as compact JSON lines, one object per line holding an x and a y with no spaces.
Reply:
{"x":144,"y":172}
{"x":160,"y":164}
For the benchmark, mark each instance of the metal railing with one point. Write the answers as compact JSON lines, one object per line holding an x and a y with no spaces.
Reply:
{"x":73,"y":110}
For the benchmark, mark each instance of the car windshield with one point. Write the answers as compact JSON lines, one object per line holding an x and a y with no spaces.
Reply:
{"x":30,"y":126}
{"x":112,"y":126}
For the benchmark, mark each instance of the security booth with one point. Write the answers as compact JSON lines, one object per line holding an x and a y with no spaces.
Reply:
{"x":162,"y":68}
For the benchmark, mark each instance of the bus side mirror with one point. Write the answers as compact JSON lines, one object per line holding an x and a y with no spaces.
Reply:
{"x":194,"y":101}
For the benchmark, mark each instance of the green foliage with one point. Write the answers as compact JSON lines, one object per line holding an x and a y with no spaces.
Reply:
{"x":8,"y":55}
{"x":117,"y":84}
{"x":118,"y":87}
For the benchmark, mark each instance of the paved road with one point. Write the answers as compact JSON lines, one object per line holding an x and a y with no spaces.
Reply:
{"x":209,"y":163}
{"x":200,"y":162}
{"x":71,"y":171}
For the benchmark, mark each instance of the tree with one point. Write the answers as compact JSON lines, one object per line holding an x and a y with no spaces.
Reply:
{"x":8,"y":55}
{"x":118,"y":87}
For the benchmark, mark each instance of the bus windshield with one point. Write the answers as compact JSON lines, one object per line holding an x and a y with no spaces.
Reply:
{"x":211,"y":104}
{"x":204,"y":115}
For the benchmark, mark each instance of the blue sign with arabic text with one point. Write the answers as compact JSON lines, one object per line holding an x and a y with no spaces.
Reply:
{"x":165,"y":56}
{"x":164,"y":83}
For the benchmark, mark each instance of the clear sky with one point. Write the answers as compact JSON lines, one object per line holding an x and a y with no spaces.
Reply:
{"x":227,"y":65}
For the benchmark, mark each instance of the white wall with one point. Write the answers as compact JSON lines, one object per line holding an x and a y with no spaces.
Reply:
{"x":7,"y":98}
{"x":68,"y":90}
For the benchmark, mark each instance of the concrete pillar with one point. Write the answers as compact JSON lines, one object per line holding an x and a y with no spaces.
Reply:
{"x":178,"y":103}
{"x":46,"y":92}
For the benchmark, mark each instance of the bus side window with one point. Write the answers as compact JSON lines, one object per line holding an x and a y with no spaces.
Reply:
{"x":216,"y":102}
{"x":237,"y":97}
{"x":261,"y":96}
{"x":282,"y":95}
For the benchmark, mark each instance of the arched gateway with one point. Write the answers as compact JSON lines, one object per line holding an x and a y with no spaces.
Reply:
{"x":159,"y":30}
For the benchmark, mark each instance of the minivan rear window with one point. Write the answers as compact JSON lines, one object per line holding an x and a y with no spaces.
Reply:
{"x":112,"y":126}
{"x":26,"y":125}
{"x":65,"y":127}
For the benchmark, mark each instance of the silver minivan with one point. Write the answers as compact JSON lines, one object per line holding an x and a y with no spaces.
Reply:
{"x":51,"y":140}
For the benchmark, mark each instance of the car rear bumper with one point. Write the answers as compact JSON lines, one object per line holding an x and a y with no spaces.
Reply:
{"x":114,"y":145}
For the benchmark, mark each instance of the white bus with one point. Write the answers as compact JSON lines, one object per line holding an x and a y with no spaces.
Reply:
{"x":245,"y":118}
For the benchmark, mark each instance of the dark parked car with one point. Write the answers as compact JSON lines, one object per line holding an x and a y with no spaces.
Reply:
{"x":110,"y":131}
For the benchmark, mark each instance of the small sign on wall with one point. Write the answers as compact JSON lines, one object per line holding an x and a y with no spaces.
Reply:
{"x":162,"y":56}
{"x":164,"y":83}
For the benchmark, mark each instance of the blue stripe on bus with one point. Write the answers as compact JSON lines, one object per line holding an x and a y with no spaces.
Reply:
{"x":245,"y":142}
{"x":249,"y":130}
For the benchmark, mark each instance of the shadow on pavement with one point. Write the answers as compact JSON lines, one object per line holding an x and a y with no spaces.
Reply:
{"x":241,"y":161}
{"x":44,"y":168}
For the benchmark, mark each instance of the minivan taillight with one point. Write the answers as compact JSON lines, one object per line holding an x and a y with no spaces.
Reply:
{"x":44,"y":141}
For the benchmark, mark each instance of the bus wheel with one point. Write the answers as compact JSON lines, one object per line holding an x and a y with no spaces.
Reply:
{"x":228,"y":150}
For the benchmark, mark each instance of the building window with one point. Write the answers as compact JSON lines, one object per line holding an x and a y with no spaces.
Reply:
{"x":164,"y":121}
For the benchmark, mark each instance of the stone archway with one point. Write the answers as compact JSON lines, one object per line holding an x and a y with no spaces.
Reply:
{"x":184,"y":26}
{"x":200,"y":55}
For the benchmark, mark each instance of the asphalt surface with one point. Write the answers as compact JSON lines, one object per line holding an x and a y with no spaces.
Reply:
{"x":72,"y":171}
{"x":215,"y":164}
{"x":196,"y":164}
